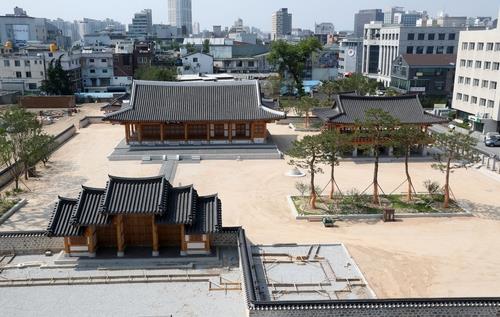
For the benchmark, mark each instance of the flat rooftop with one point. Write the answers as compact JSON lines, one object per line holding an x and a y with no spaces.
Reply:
{"x":308,"y":272}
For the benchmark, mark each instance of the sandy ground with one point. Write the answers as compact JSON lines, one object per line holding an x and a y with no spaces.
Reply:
{"x":410,"y":258}
{"x":81,"y":161}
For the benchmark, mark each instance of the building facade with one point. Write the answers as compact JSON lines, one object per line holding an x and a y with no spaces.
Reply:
{"x":97,"y":70}
{"x":477,"y":95}
{"x":180,"y":15}
{"x":383,"y":43}
{"x":281,"y":24}
{"x":365,"y":17}
{"x":196,"y":63}
{"x":350,"y":56}
{"x":142,"y":24}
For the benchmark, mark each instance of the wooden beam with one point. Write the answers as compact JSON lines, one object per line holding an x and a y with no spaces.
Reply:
{"x":127,"y":132}
{"x":162,"y":132}
{"x":139,"y":133}
{"x":120,"y":236}
{"x":186,"y":132}
{"x":66,"y":246}
{"x":230,"y":129}
{"x":252,"y":130}
{"x":208,"y":132}
{"x":91,"y":240}
{"x":156,"y":241}
{"x":183,"y":240}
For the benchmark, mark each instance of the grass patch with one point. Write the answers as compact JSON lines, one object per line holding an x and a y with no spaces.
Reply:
{"x":6,"y":205}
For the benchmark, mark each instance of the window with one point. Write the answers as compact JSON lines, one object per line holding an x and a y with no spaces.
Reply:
{"x":497,"y":47}
{"x":469,"y":63}
{"x":452,"y":36}
{"x":431,"y":36}
{"x":440,"y":50}
{"x":462,"y":63}
{"x":104,"y":71}
{"x":92,"y":71}
{"x":472,"y":46}
{"x":411,"y":36}
{"x":466,"y":98}
{"x":460,"y":79}
{"x":478,"y":64}
{"x":19,"y":75}
{"x":91,"y":60}
{"x":441,"y":36}
{"x":251,"y":64}
{"x":195,"y":59}
{"x":420,"y":50}
{"x":473,"y":100}
{"x":480,"y":46}
{"x":491,"y":104}
{"x":239,"y":63}
{"x":27,"y":63}
{"x":475,"y":83}
{"x":421,"y":36}
{"x":493,"y":85}
{"x":17,"y":63}
{"x":484,"y":84}
{"x":467,"y":80}
{"x":482,"y":102}
{"x":103,"y":60}
{"x":489,"y":46}
{"x":41,"y":74}
{"x":32,"y":86}
{"x":28,"y":74}
{"x":6,"y":63}
{"x":459,"y":96}
{"x":429,"y":50}
{"x":465,"y":45}
{"x":496,"y":66}
{"x":409,"y":50}
{"x":450,"y":50}
{"x":487,"y":65}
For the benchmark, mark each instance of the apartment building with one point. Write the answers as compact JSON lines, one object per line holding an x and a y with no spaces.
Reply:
{"x":477,"y":95}
{"x":281,"y":24}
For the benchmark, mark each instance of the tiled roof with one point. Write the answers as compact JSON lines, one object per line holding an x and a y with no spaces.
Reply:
{"x":60,"y":223}
{"x":430,"y":59}
{"x":208,"y":216}
{"x":87,"y":210}
{"x":195,"y":101}
{"x":350,"y":109}
{"x":137,"y":196}
{"x":134,"y":196}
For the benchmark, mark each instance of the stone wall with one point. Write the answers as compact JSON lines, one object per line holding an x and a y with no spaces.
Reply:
{"x":29,"y":243}
{"x":383,"y":312}
{"x":85,"y":122}
{"x":228,"y":237}
{"x":48,"y":102}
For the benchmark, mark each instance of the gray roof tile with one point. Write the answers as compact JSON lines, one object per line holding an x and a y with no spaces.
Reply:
{"x":60,"y":222}
{"x":208,"y":216}
{"x":87,"y":210}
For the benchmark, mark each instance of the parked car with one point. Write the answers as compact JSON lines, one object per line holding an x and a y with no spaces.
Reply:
{"x":491,"y":135}
{"x":493,"y":141}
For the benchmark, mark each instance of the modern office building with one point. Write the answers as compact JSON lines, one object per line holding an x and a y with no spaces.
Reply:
{"x":391,"y":14}
{"x":477,"y":95}
{"x":382,"y":44}
{"x":350,"y":56}
{"x":142,"y":24}
{"x":365,"y":17}
{"x":281,"y":24}
{"x":324,"y":28}
{"x":180,"y":15}
{"x":19,"y":28}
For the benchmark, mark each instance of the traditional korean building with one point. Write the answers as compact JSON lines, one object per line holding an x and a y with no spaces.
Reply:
{"x":348,"y":110}
{"x":137,"y":212}
{"x":195,"y":113}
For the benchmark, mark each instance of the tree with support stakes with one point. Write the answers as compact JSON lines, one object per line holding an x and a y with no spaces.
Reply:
{"x":306,"y":104}
{"x":454,"y":147}
{"x":375,"y":132}
{"x":404,"y":139}
{"x":306,"y":154}
{"x":333,"y":144}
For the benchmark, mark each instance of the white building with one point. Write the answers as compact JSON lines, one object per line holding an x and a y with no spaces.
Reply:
{"x":281,"y":24}
{"x":97,"y":70}
{"x":196,"y":63}
{"x":142,"y":24}
{"x":180,"y":15}
{"x":383,"y":43}
{"x":350,"y":56}
{"x":477,"y":79}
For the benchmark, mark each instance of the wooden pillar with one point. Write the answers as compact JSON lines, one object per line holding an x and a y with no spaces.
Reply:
{"x":120,"y":236}
{"x":127,"y":132}
{"x":67,"y":246}
{"x":252,"y":130}
{"x":183,"y":241}
{"x":208,"y":132}
{"x":156,"y":241}
{"x":91,"y":241}
{"x":139,"y":133}
{"x":207,"y":243}
{"x":185,"y":132}
{"x":230,"y":129}
{"x":162,"y":132}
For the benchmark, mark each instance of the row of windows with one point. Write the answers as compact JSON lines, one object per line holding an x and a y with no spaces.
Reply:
{"x":103,"y":60}
{"x":430,"y":50}
{"x":480,"y":65}
{"x":104,"y":71}
{"x":475,"y":82}
{"x":480,"y":46}
{"x":474,"y":100}
{"x":431,"y":36}
{"x":17,"y":63}
{"x":392,"y":36}
{"x":28,"y":74}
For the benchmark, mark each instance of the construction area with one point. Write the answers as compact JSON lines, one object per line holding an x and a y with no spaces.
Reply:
{"x":135,"y":286}
{"x":308,"y":272}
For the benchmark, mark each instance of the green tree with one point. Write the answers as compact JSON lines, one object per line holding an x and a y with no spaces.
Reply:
{"x":190,"y":48}
{"x":404,"y":139}
{"x":305,"y":105}
{"x":290,"y":59}
{"x":333,"y":144}
{"x":206,"y":46}
{"x":58,"y":81}
{"x":391,"y":92}
{"x":359,"y":83}
{"x":306,"y":154}
{"x":375,"y":131}
{"x":454,"y":147}
{"x":330,"y":89}
{"x":156,"y":73}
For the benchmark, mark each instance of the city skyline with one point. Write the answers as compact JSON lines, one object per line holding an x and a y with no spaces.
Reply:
{"x":304,"y":15}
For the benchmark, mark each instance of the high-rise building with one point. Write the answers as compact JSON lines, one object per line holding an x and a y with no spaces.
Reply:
{"x":477,"y":83}
{"x":390,"y":14}
{"x":142,"y":24}
{"x":324,"y":28}
{"x":180,"y":15}
{"x":364,"y":17}
{"x":281,"y":23}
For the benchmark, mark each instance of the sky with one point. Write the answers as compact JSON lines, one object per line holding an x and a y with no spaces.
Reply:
{"x":253,"y":12}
